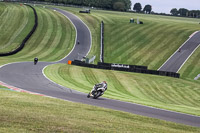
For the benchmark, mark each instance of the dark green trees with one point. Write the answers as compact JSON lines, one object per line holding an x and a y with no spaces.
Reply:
{"x":185,"y":12}
{"x":137,"y":7}
{"x":122,"y":5}
{"x":147,"y":9}
{"x":174,"y":12}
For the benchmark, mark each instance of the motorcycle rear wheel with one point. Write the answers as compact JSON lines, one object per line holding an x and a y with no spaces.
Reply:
{"x":88,"y":96}
{"x":97,"y":95}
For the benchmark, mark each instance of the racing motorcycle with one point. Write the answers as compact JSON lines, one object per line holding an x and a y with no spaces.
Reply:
{"x":35,"y":60}
{"x":96,"y":92}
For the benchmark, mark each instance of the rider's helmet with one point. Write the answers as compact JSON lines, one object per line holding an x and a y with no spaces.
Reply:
{"x":104,"y":82}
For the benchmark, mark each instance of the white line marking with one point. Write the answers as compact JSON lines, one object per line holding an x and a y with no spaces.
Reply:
{"x":75,"y":38}
{"x":76,"y":32}
{"x":189,"y":57}
{"x":76,"y":102}
{"x":178,"y":49}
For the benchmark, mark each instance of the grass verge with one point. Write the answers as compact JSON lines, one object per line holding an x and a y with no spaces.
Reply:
{"x":53,"y":39}
{"x":150,"y":44}
{"x":15,"y":24}
{"x":21,"y":112}
{"x":162,"y":92}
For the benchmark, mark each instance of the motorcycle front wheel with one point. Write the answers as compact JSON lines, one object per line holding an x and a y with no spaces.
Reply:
{"x":97,"y":95}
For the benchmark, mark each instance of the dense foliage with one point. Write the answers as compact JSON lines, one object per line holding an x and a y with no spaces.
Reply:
{"x":137,"y":7}
{"x":185,"y":12}
{"x":105,"y":4}
{"x":147,"y":9}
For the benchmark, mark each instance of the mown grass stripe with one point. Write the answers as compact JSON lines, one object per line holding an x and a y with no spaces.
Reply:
{"x":36,"y":41}
{"x":146,"y":50}
{"x":43,"y":36}
{"x":116,"y":83}
{"x":3,"y":9}
{"x":191,"y":69}
{"x":22,"y":24}
{"x":54,"y":37}
{"x":119,"y":51}
{"x":130,"y":35}
{"x":47,"y":36}
{"x":90,"y":76}
{"x":152,"y":51}
{"x":170,"y":93}
{"x":5,"y":24}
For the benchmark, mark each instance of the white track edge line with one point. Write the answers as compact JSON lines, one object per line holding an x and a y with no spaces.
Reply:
{"x":188,"y":57}
{"x":75,"y":37}
{"x":122,"y":101}
{"x":178,"y":49}
{"x":76,"y":31}
{"x":104,"y":97}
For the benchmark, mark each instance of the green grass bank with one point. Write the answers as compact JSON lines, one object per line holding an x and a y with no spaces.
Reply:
{"x":162,"y":92}
{"x":21,"y":112}
{"x":15,"y":24}
{"x":53,"y":39}
{"x":150,"y":44}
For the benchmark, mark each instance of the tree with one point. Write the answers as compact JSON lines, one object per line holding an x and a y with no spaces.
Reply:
{"x":174,"y":12}
{"x":183,"y":12}
{"x":127,"y":4}
{"x":137,"y":7}
{"x":147,"y":9}
{"x":120,"y":6}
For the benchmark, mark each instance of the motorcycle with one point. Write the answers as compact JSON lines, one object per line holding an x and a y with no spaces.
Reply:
{"x":35,"y":61}
{"x":95,"y":92}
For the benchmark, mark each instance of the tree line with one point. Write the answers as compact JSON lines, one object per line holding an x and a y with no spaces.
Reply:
{"x":120,"y":5}
{"x":138,"y":8}
{"x":185,"y":12}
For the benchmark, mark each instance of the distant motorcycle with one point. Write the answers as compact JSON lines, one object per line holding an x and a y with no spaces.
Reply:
{"x":97,"y":91}
{"x":78,"y":42}
{"x":35,"y":61}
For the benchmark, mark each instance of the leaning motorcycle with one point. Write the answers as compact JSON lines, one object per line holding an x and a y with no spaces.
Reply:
{"x":95,"y":92}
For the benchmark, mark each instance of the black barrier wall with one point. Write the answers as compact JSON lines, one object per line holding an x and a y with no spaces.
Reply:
{"x":26,"y":38}
{"x":127,"y":68}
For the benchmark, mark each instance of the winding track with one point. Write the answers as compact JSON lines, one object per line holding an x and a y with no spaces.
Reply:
{"x":29,"y":77}
{"x":178,"y":59}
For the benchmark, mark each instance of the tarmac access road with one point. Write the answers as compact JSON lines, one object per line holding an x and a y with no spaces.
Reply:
{"x":30,"y":77}
{"x":178,"y":59}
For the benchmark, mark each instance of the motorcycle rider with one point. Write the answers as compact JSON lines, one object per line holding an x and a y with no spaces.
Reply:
{"x":100,"y":86}
{"x":35,"y":60}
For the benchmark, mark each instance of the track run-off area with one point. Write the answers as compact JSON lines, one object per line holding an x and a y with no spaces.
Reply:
{"x":30,"y":77}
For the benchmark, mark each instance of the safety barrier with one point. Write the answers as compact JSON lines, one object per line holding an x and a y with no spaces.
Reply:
{"x":86,"y":11}
{"x":127,"y":68}
{"x":26,"y":38}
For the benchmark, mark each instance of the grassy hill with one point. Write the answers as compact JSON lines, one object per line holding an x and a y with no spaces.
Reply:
{"x":15,"y":24}
{"x":21,"y":112}
{"x":150,"y":44}
{"x":191,"y":69}
{"x":52,"y":40}
{"x":158,"y":91}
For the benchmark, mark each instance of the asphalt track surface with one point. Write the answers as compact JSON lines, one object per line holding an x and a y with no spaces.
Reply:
{"x":29,"y":77}
{"x":177,"y":60}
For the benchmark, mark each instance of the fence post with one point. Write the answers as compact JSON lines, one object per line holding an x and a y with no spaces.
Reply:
{"x":102,"y":42}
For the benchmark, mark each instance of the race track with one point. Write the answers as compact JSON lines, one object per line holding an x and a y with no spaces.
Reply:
{"x":177,"y":60}
{"x":29,"y":77}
